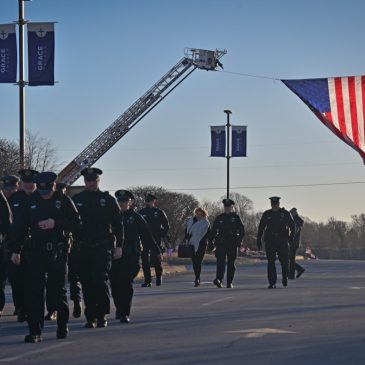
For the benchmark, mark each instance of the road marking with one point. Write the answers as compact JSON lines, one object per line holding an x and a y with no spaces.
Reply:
{"x":35,"y":352}
{"x":357,"y":287}
{"x":217,"y":301}
{"x":260,"y":332}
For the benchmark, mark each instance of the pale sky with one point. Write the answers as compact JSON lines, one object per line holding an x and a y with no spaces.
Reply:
{"x":108,"y":53}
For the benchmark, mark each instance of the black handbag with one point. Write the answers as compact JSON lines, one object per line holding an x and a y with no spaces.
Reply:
{"x":186,"y":251}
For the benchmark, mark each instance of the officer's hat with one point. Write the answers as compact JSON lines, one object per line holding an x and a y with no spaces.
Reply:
{"x":150,"y":197}
{"x":275,"y":200}
{"x":91,"y":173}
{"x":293,"y":211}
{"x":9,"y":182}
{"x":60,"y":186}
{"x":228,"y":202}
{"x":124,"y":195}
{"x":27,"y":175}
{"x":45,"y":181}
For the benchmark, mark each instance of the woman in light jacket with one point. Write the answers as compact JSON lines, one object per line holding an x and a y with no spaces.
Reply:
{"x":197,"y":233}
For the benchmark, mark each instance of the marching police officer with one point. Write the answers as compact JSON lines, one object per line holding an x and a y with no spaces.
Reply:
{"x":227,"y":234}
{"x":47,"y":218}
{"x":73,"y":267}
{"x":278,"y":228}
{"x":159,"y":226}
{"x":5,"y":222}
{"x":294,"y":266}
{"x":17,"y":199}
{"x":125,"y":269}
{"x":102,"y":239}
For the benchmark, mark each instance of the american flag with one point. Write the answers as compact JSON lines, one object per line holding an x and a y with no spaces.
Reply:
{"x":339,"y":103}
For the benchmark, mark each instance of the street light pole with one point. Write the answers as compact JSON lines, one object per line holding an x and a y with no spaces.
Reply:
{"x":21,"y":83}
{"x":228,"y":112}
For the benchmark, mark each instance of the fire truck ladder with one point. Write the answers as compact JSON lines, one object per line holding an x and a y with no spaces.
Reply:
{"x":194,"y":58}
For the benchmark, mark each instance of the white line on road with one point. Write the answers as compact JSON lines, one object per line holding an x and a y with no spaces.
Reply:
{"x":260,"y":332}
{"x":217,"y":301}
{"x":35,"y":352}
{"x":357,"y":287}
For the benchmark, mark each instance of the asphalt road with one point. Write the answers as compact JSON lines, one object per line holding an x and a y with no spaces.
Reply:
{"x":319,"y":319}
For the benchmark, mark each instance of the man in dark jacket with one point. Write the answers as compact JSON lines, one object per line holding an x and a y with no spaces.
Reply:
{"x":5,"y":222}
{"x":293,"y":265}
{"x":125,"y":269}
{"x":102,"y":239}
{"x":227,"y":234}
{"x":159,"y":226}
{"x":278,"y":228}
{"x":47,"y":218}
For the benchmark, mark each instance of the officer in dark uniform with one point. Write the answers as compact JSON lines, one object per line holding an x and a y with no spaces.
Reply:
{"x":294,"y":266}
{"x":73,"y":267}
{"x":5,"y":222}
{"x":47,"y":218}
{"x":278,"y":228}
{"x":159,"y":226}
{"x":102,"y":238}
{"x":17,"y":199}
{"x":227,"y":234}
{"x":125,"y":269}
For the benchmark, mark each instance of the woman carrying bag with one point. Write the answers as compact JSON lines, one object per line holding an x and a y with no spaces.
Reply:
{"x":197,"y":233}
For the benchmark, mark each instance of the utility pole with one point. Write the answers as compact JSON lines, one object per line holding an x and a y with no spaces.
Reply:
{"x":21,"y":83}
{"x":228,"y":112}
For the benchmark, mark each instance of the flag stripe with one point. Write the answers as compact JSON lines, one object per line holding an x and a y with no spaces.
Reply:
{"x":361,"y":107}
{"x":333,"y":102}
{"x":346,"y":106}
{"x":352,"y":107}
{"x":340,"y":107}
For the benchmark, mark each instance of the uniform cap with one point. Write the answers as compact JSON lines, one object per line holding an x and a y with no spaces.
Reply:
{"x":10,"y":181}
{"x":275,"y":199}
{"x":228,"y":202}
{"x":45,"y":181}
{"x":27,"y":175}
{"x":124,"y":195}
{"x":91,"y":173}
{"x":150,"y":197}
{"x":294,"y":211}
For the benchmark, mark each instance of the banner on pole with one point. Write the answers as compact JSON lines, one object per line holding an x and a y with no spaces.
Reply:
{"x":218,"y":136}
{"x":239,"y":141}
{"x":41,"y":49}
{"x":8,"y":53}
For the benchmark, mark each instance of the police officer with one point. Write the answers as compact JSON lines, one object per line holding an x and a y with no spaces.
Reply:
{"x":278,"y":228}
{"x":17,"y":197}
{"x":294,"y":266}
{"x":102,"y":238}
{"x":48,"y":217}
{"x":73,"y":267}
{"x":125,"y":269}
{"x":5,"y":222}
{"x":159,"y":226}
{"x":227,"y":234}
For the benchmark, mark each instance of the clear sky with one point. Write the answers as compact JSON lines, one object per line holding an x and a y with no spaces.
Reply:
{"x":108,"y":53}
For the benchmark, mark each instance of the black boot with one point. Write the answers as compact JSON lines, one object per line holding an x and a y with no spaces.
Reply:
{"x":217,"y":283}
{"x":101,"y":322}
{"x":158,"y":280}
{"x":62,"y":332}
{"x":32,"y":338}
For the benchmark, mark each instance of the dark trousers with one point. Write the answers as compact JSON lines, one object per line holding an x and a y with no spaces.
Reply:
{"x":277,"y":249}
{"x":150,"y":258}
{"x":37,"y":265}
{"x":222,"y":254}
{"x":16,"y":275}
{"x":293,"y":266}
{"x":122,"y":275}
{"x":74,"y":260}
{"x":197,"y":260}
{"x":94,"y":270}
{"x":50,"y":295}
{"x":3,"y":275}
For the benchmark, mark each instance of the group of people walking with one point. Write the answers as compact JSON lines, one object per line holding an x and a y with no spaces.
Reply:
{"x":102,"y":241}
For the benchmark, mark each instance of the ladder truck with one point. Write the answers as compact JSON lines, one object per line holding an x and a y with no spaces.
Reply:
{"x":194,"y":59}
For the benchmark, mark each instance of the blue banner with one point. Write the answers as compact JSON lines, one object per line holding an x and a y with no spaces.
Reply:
{"x":239,"y":141}
{"x":218,"y":135}
{"x":8,"y":53}
{"x":41,"y":48}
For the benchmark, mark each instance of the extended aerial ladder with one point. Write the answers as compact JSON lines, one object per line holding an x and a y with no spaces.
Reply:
{"x":194,"y":58}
